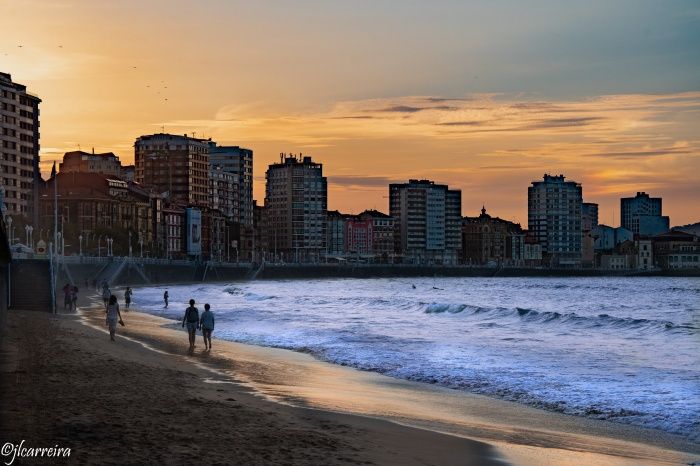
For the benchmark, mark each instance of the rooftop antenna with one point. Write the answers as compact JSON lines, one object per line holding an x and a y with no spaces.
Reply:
{"x":162,"y":128}
{"x":93,"y":151}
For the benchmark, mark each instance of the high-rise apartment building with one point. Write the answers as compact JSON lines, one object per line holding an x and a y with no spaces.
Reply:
{"x":223,"y":189}
{"x":554,"y":218}
{"x":239,"y":162}
{"x":296,"y":196}
{"x":427,"y":221}
{"x":178,"y":165}
{"x":642,"y":215}
{"x":19,"y":148}
{"x":589,"y":216}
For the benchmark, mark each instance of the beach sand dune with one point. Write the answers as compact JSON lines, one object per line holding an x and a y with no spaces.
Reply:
{"x":66,"y":384}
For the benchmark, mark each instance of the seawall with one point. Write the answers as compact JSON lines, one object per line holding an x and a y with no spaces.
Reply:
{"x":90,"y":274}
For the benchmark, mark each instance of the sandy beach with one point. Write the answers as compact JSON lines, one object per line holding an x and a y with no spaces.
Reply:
{"x":145,"y":399}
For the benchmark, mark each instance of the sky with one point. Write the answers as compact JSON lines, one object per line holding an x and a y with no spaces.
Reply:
{"x":485,"y":96}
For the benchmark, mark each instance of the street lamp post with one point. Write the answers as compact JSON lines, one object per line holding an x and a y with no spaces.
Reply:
{"x":8,"y":219}
{"x":141,"y":244}
{"x":27,"y":230}
{"x":80,"y":242}
{"x":129,"y":243}
{"x":99,"y":239}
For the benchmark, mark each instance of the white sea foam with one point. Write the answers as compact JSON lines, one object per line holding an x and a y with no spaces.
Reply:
{"x":621,"y":349}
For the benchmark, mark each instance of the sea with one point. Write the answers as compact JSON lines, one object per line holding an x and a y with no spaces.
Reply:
{"x":622,"y":349}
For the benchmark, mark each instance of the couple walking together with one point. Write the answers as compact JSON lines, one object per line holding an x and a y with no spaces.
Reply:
{"x":194,"y":322}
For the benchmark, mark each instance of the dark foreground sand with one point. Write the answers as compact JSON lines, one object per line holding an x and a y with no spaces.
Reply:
{"x":64,"y":383}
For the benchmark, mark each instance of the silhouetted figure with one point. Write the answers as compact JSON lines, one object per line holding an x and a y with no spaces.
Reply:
{"x":113,"y":316}
{"x":127,"y":297}
{"x":106,"y":295}
{"x":67,"y":296}
{"x":192,"y":319}
{"x":74,"y":298}
{"x":165,"y":298}
{"x":206,"y":322}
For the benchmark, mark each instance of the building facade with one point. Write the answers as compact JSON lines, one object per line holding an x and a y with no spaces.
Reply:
{"x":427,"y":221}
{"x":84,"y":162}
{"x":607,"y":238}
{"x":642,"y":215}
{"x":94,"y":206}
{"x":589,"y":216}
{"x":554,"y":218}
{"x":238,"y":162}
{"x":676,"y":250}
{"x":335,"y":234}
{"x":176,"y":165}
{"x":19,"y":149}
{"x":486,"y":239}
{"x":296,"y":196}
{"x":223,"y":190}
{"x":359,"y":240}
{"x":532,"y":251}
{"x":382,"y":233}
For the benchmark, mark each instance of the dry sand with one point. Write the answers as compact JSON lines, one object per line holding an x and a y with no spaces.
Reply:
{"x":145,"y":399}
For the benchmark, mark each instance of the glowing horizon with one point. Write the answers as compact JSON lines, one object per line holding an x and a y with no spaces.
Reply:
{"x":482,"y":98}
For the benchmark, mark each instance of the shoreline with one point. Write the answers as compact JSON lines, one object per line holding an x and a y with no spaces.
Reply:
{"x":64,"y":383}
{"x":520,"y":432}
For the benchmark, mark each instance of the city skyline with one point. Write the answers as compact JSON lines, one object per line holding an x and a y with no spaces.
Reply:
{"x":484,"y":117}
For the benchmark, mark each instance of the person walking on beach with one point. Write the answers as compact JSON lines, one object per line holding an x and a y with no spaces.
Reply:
{"x":113,"y":316}
{"x":165,"y":298}
{"x":207,"y":324}
{"x":74,"y":298}
{"x":106,"y":295}
{"x":127,"y":297}
{"x":67,"y":296}
{"x":192,"y":319}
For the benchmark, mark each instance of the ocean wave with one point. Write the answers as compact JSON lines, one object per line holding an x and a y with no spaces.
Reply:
{"x":258,"y":297}
{"x":557,"y":318}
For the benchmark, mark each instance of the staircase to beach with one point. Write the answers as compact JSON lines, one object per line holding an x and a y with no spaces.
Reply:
{"x":30,"y":285}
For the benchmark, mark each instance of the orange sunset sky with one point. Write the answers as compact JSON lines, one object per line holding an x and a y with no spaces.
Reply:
{"x":483,"y":96}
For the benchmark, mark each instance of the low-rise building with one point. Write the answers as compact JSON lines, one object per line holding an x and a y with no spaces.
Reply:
{"x":532,"y":250}
{"x":676,"y":250}
{"x":358,"y":237}
{"x":92,"y":205}
{"x":607,"y":238}
{"x":78,"y":161}
{"x":382,"y":233}
{"x":617,"y":261}
{"x":645,"y":253}
{"x":486,"y":239}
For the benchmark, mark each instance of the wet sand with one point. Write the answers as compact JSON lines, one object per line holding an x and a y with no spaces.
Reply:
{"x":258,"y":399}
